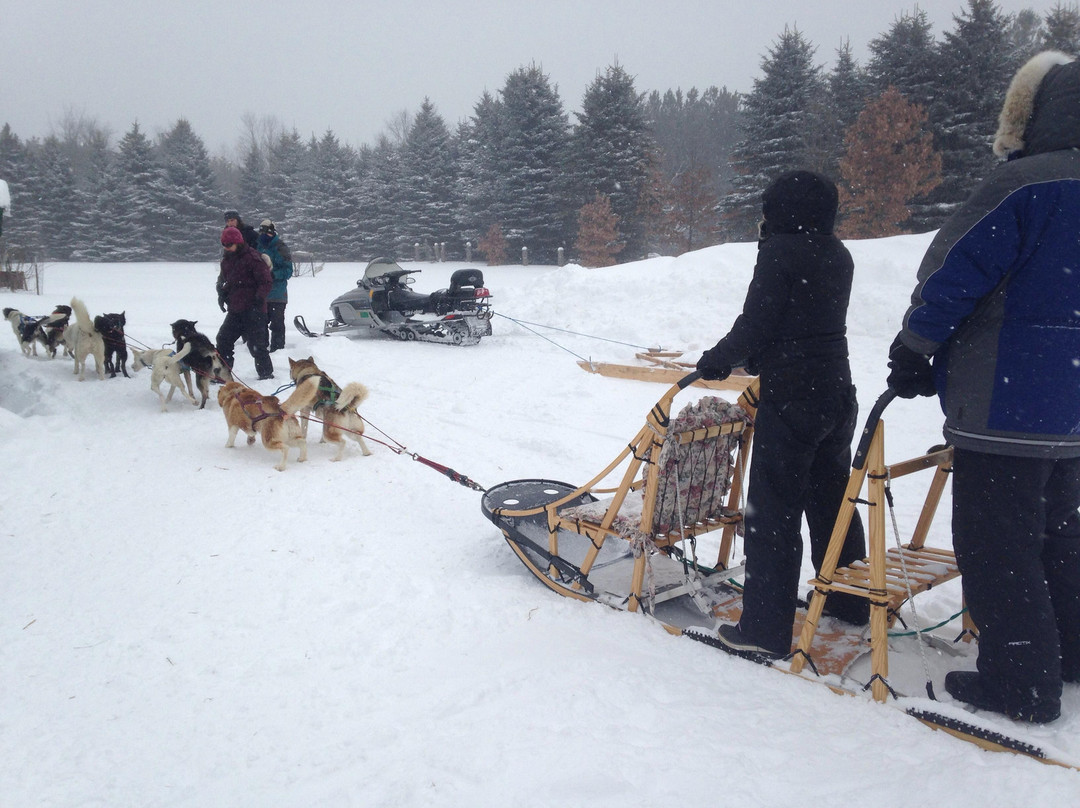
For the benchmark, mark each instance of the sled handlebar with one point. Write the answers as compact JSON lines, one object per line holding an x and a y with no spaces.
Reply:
{"x":871,"y":427}
{"x":688,"y":379}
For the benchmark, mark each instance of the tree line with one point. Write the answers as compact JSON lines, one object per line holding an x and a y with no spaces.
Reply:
{"x":906,"y":136}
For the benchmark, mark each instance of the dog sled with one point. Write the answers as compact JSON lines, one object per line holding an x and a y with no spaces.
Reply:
{"x":665,"y":367}
{"x":640,"y":537}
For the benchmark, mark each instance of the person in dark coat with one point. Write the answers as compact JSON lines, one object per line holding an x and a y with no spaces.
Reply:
{"x":281,"y":269}
{"x":251,"y":238}
{"x":792,"y":331}
{"x":244,"y":283}
{"x":997,"y":308}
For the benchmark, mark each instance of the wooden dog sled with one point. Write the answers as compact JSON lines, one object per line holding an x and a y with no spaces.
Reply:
{"x":666,"y":367}
{"x":634,"y":537}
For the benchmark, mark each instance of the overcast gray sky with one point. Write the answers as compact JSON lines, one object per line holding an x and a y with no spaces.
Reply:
{"x":351,"y":66}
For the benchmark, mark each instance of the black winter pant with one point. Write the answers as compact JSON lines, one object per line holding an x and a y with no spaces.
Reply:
{"x":800,"y":466}
{"x":1016,"y":533}
{"x":275,"y":313}
{"x":251,"y":325}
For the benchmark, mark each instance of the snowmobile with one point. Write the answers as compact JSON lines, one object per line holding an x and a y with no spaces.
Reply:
{"x":384,"y":303}
{"x":637,"y":545}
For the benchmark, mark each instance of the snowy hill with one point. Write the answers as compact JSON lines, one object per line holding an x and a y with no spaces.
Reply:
{"x":184,"y":626}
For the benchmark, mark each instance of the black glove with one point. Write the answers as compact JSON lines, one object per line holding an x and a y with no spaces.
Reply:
{"x":221,"y":303}
{"x":712,"y":367}
{"x":910,"y":374}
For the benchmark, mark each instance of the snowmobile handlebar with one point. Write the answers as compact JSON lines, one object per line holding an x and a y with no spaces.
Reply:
{"x":872,"y":422}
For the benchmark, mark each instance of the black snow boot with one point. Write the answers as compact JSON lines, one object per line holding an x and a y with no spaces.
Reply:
{"x":1033,"y":704}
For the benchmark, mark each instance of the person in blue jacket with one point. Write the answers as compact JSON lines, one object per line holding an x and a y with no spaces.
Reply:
{"x":997,"y":313}
{"x":281,"y":269}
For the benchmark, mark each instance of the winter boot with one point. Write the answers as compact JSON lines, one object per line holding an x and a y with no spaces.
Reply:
{"x":731,"y":637}
{"x":1033,"y":704}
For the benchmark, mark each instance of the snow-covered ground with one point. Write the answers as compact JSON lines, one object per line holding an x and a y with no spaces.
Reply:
{"x":181,"y":625}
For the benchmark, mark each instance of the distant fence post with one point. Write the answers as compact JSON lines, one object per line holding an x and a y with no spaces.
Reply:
{"x":524,"y":256}
{"x":468,"y":252}
{"x":442,"y":251}
{"x":562,"y":256}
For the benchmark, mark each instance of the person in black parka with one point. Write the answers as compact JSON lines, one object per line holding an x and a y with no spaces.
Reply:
{"x":792,"y":331}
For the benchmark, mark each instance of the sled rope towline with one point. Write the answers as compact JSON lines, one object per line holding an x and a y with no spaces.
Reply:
{"x":400,"y":448}
{"x":525,"y":324}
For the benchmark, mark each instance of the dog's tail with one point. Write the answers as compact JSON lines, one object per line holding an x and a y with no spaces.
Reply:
{"x":352,"y":396}
{"x":82,"y":317}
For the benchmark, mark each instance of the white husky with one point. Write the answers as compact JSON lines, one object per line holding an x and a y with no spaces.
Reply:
{"x":165,"y":366}
{"x":85,"y":341}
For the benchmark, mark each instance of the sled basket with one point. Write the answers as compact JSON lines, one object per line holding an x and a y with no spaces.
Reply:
{"x":634,"y":543}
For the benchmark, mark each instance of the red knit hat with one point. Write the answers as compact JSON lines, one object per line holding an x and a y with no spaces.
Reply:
{"x":230,"y":235}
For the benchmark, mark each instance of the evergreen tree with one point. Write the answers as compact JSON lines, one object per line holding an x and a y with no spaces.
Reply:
{"x":15,"y":169}
{"x":598,"y":239}
{"x":976,"y":57}
{"x":326,"y":207}
{"x":428,"y":178}
{"x":906,"y":57}
{"x":532,"y":152}
{"x":253,"y":175}
{"x":378,"y":202}
{"x":145,"y":213}
{"x":99,"y":220}
{"x":285,"y":161}
{"x":889,"y":161}
{"x":778,"y":118}
{"x":1024,"y":35}
{"x":1063,"y":29}
{"x":55,"y":201}
{"x":480,"y":172}
{"x":612,"y":150}
{"x":847,"y":88}
{"x":196,"y":205}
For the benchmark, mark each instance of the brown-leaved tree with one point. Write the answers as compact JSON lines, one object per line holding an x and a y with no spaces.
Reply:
{"x":598,"y":233}
{"x":889,"y":161}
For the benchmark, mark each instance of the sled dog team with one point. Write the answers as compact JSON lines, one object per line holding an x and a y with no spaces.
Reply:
{"x":276,"y":422}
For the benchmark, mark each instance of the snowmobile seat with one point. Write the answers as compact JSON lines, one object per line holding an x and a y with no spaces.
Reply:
{"x":464,"y":278}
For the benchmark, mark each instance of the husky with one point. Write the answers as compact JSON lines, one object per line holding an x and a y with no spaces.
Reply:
{"x":24,"y":327}
{"x":247,"y":410}
{"x":50,"y":330}
{"x":111,"y":327}
{"x":203,"y":358}
{"x":334,"y":406}
{"x":85,"y":340}
{"x":165,"y":366}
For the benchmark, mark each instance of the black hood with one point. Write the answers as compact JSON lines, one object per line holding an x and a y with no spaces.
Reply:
{"x":799,"y":202}
{"x":1055,"y":122}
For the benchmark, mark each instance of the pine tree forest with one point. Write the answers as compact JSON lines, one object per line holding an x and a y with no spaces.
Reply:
{"x":634,"y":172}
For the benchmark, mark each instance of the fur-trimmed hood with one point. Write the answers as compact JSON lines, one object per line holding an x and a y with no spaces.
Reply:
{"x":1041,"y":112}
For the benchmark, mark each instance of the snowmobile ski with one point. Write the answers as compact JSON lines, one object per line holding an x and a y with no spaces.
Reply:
{"x":302,"y":327}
